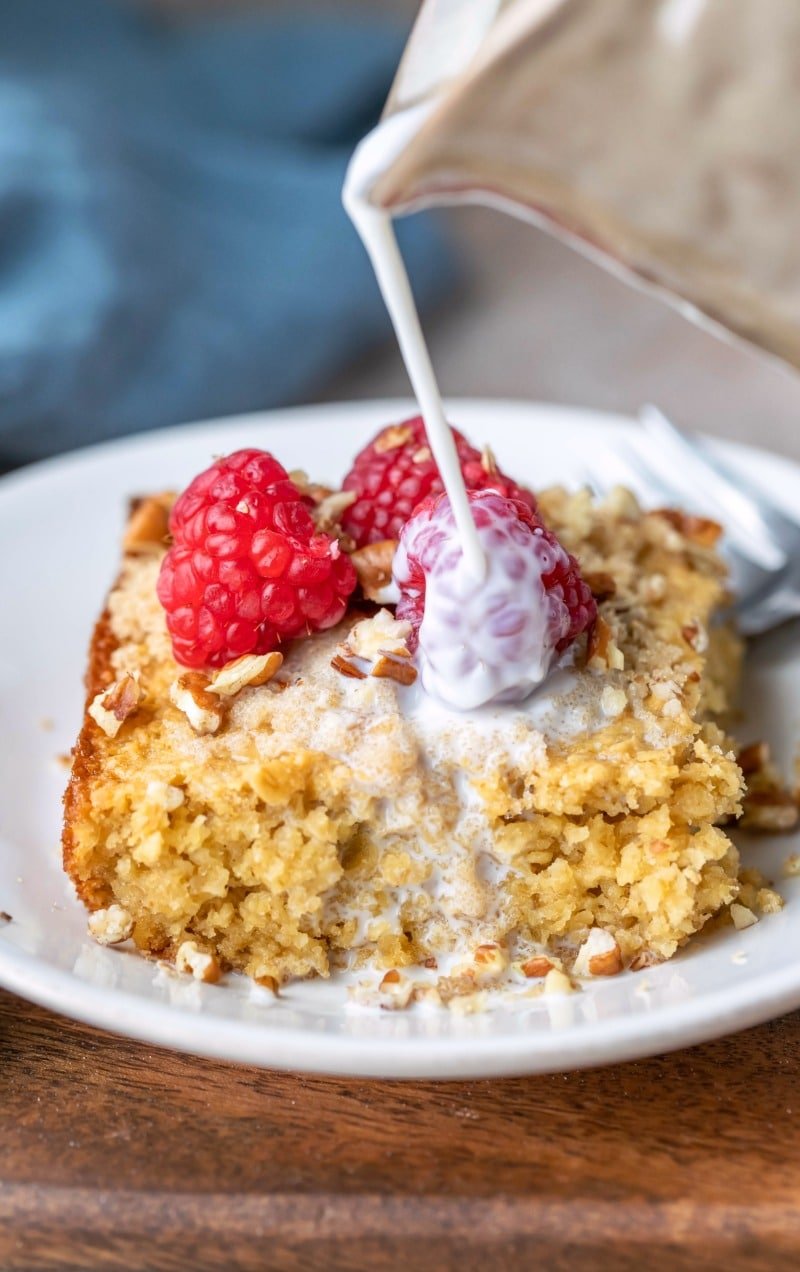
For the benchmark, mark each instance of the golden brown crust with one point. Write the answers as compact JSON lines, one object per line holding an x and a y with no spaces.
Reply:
{"x":85,"y":762}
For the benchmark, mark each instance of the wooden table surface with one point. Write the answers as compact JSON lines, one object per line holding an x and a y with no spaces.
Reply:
{"x":117,"y":1155}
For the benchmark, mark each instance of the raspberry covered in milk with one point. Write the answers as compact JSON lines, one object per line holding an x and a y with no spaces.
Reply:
{"x":491,"y":639}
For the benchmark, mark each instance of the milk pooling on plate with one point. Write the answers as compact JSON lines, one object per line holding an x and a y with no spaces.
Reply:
{"x":465,"y":674}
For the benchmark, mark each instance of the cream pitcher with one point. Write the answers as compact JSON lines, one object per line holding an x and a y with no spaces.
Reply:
{"x":662,"y":137}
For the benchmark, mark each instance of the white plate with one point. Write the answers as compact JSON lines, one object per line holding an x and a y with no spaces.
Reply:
{"x":60,"y":526}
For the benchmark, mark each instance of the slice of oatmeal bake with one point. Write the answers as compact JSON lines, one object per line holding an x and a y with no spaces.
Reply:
{"x":332,"y":815}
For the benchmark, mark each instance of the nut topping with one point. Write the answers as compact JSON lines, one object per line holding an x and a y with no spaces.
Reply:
{"x":774,"y":811}
{"x":148,"y":524}
{"x":742,"y":917}
{"x":601,"y":585}
{"x":250,"y":669}
{"x":753,"y":758}
{"x":392,"y":437}
{"x":490,"y":960}
{"x":602,"y":650}
{"x":113,"y":706}
{"x":381,"y":641}
{"x":696,"y":636}
{"x":347,"y":668}
{"x":606,"y":964}
{"x":111,"y":926}
{"x":644,"y":959}
{"x":536,"y":967}
{"x":557,"y":982}
{"x":395,"y":990}
{"x":701,"y":531}
{"x":422,"y":455}
{"x":189,"y":693}
{"x":488,"y":461}
{"x":767,"y":805}
{"x":373,"y":565}
{"x":202,"y":966}
{"x":381,"y":634}
{"x":269,"y":982}
{"x":327,"y":513}
{"x":391,"y":666}
{"x":599,"y":955}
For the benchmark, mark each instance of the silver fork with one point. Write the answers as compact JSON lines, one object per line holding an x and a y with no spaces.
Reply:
{"x":761,"y":543}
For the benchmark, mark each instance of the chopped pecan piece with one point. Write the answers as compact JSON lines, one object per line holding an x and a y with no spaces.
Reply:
{"x":773,"y":811}
{"x":698,"y":530}
{"x":601,"y":585}
{"x":599,"y":955}
{"x":490,"y":959}
{"x":753,"y":758}
{"x":396,"y":991}
{"x":602,"y":650}
{"x":608,"y":964}
{"x":373,"y":565}
{"x":742,"y":917}
{"x":202,"y":966}
{"x":536,"y":967}
{"x":250,"y":669}
{"x":113,"y":706}
{"x":392,"y":437}
{"x":696,"y":636}
{"x":190,"y":694}
{"x":328,"y":511}
{"x":111,"y":926}
{"x":270,"y":983}
{"x":598,"y":641}
{"x":557,"y":982}
{"x":391,"y":666}
{"x":148,"y":524}
{"x":346,"y":668}
{"x":380,"y":634}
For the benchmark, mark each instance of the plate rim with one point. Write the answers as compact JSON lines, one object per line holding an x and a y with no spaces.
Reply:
{"x":724,"y":1011}
{"x":671,"y":1028}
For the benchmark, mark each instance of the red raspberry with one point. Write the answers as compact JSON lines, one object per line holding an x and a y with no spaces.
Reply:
{"x":248,"y":569}
{"x":492,"y":639}
{"x":396,"y":471}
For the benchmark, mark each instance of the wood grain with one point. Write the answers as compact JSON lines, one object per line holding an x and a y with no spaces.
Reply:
{"x":116,"y":1155}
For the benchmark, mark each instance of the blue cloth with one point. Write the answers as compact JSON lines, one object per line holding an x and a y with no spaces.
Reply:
{"x":172,"y":242}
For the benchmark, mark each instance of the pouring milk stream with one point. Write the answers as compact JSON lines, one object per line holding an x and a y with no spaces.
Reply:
{"x":479,"y":588}
{"x":374,"y":225}
{"x":660,"y":136}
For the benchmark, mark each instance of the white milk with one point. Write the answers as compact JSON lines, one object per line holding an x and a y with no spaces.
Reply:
{"x":455,"y":663}
{"x":372,"y":157}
